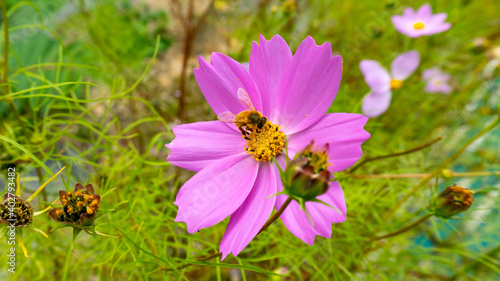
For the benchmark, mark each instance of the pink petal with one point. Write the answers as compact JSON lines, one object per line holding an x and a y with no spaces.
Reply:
{"x":219,"y":81}
{"x":429,"y":73}
{"x":342,"y":131}
{"x":405,"y":64}
{"x":438,"y":84}
{"x":438,"y":18}
{"x":424,"y":12}
{"x":216,"y":191}
{"x":247,"y":221}
{"x":198,"y":145}
{"x":404,"y":25}
{"x":308,"y":86}
{"x":297,"y":222}
{"x":374,"y":105}
{"x":436,"y":24}
{"x":408,"y":12}
{"x":267,"y":65}
{"x":377,"y":77}
{"x":400,"y":23}
{"x":246,"y":65}
{"x":438,"y":28}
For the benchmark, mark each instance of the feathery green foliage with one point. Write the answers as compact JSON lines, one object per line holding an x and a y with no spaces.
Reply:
{"x":93,"y":85}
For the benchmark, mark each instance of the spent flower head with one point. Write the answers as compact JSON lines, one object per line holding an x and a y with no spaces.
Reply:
{"x":452,"y":201}
{"x":15,"y":211}
{"x":79,"y":208}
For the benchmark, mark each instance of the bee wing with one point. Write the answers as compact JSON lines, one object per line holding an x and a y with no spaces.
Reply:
{"x":227,"y":117}
{"x":245,"y":98}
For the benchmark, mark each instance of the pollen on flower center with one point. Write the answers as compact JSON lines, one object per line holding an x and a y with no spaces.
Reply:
{"x":265,"y":143}
{"x":396,"y":84}
{"x":418,"y":25}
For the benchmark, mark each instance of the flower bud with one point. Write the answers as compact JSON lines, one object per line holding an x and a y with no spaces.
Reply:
{"x":447,"y":173}
{"x":452,"y":201}
{"x":479,"y":45}
{"x":78,"y":208}
{"x":493,"y":53}
{"x":309,"y":176}
{"x":289,"y":7}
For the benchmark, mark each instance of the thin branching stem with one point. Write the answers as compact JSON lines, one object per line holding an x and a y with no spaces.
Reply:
{"x":6,"y":48}
{"x":5,"y":19}
{"x":68,"y":255}
{"x":397,"y":176}
{"x":276,"y":215}
{"x":441,"y":167}
{"x":370,"y":159}
{"x":404,"y":229}
{"x":191,"y":27}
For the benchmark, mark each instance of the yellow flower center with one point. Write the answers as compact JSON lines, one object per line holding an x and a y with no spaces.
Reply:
{"x":265,"y":143}
{"x":418,"y":25}
{"x":396,"y":84}
{"x":318,"y":159}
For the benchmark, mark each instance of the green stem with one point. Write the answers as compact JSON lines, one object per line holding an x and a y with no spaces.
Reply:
{"x":68,"y":255}
{"x":440,"y":168}
{"x":6,"y":47}
{"x":264,"y":227}
{"x":404,"y":229}
{"x":369,"y":159}
{"x":406,"y":176}
{"x":276,"y":215}
{"x":5,"y":64}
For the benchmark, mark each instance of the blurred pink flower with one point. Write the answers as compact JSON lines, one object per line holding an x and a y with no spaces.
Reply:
{"x":381,"y":82}
{"x":437,"y":81}
{"x":421,"y":22}
{"x":294,"y":92}
{"x":246,"y":65}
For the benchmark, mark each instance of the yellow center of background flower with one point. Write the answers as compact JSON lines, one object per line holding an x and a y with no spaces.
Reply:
{"x":396,"y":84}
{"x":265,"y":143}
{"x":418,"y":25}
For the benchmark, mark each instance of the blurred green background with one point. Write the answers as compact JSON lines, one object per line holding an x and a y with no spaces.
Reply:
{"x":97,"y":86}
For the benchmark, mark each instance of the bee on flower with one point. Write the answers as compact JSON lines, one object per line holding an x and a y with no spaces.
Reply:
{"x":269,"y":111}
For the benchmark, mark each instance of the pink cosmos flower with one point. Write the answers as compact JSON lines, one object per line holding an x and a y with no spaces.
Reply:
{"x":437,"y":81}
{"x":235,"y":175}
{"x":381,"y":82}
{"x":419,"y":23}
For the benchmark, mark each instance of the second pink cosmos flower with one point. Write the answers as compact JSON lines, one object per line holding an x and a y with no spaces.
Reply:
{"x":421,"y":22}
{"x":294,"y":93}
{"x":381,"y":82}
